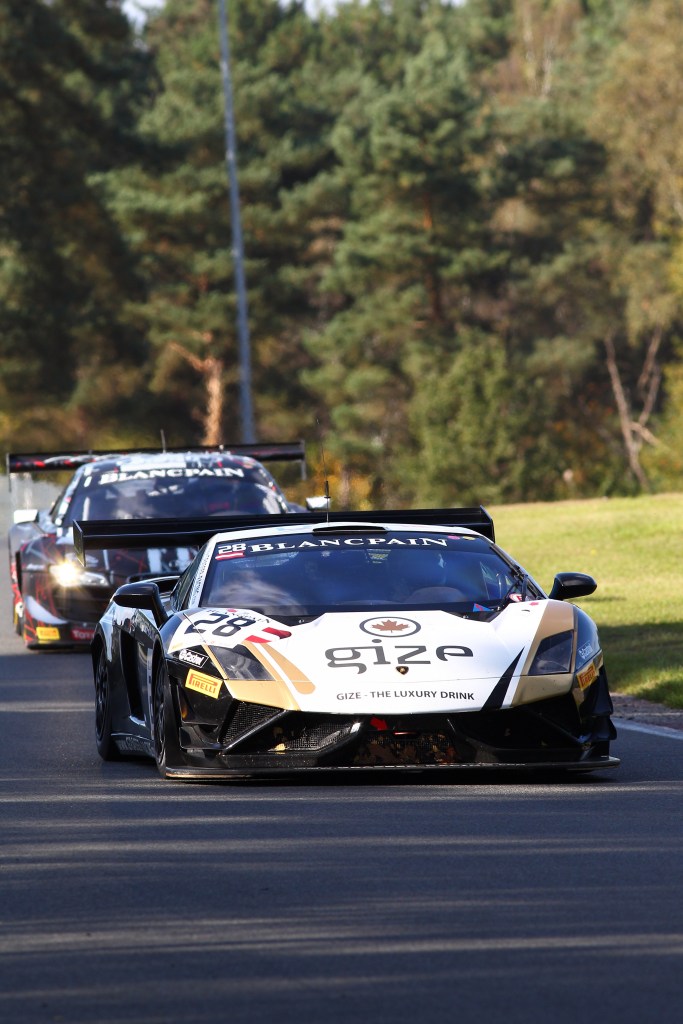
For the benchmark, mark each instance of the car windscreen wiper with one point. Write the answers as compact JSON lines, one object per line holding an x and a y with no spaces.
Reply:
{"x":521,"y":580}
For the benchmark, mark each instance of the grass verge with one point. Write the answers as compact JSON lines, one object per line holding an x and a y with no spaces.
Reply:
{"x":634,"y":549}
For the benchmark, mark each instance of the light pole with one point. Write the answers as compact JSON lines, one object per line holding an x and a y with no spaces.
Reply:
{"x":247,"y":415}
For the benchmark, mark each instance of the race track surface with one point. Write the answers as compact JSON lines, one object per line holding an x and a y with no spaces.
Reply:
{"x":126,"y":898}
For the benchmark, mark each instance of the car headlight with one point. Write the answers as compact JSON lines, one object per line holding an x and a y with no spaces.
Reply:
{"x":239,"y":663}
{"x":554,"y":655}
{"x":71,"y":574}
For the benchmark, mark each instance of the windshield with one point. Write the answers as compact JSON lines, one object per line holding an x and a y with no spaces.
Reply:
{"x":160,"y":497}
{"x":309,"y":574}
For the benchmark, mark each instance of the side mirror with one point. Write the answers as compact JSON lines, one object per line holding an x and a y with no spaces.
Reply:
{"x":568,"y":586}
{"x":142,"y":595}
{"x":24,"y":515}
{"x":318,"y":504}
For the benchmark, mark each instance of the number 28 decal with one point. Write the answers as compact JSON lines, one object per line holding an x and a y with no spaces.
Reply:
{"x":222,"y":625}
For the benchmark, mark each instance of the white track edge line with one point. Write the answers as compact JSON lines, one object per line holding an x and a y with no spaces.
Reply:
{"x":651,"y":730}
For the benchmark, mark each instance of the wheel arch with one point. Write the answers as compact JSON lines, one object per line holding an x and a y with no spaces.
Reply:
{"x":96,"y":648}
{"x":157,"y":656}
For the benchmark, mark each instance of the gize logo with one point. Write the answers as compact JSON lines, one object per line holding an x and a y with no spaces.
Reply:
{"x":355,"y":658}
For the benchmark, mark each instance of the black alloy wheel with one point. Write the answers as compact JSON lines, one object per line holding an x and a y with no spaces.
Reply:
{"x":106,"y":747}
{"x":159,"y":711}
{"x":165,"y":730}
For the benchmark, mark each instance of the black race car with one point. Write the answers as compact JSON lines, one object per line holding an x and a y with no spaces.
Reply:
{"x":57,"y":601}
{"x":358,"y":640}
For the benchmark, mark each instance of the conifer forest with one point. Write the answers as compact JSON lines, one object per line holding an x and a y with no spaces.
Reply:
{"x":462,"y":225}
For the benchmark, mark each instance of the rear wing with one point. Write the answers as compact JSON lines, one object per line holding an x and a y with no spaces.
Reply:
{"x":98,"y":534}
{"x":50,"y":462}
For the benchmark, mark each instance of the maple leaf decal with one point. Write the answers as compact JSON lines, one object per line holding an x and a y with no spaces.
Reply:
{"x":390,"y":626}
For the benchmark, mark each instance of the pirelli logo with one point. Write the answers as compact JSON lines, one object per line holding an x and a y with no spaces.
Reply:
{"x":586,"y":677}
{"x":203,"y":683}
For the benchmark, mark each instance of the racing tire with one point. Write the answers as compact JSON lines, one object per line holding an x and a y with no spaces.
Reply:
{"x":104,"y":741}
{"x":164,"y":729}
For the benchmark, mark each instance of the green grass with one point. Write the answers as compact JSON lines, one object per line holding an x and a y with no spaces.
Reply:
{"x":634,"y":549}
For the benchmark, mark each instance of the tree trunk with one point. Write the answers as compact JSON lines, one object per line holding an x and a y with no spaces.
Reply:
{"x":211,"y":369}
{"x":631,"y":444}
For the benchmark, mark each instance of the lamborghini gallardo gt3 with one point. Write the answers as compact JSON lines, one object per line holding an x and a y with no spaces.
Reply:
{"x":56,"y":601}
{"x":382,"y":640}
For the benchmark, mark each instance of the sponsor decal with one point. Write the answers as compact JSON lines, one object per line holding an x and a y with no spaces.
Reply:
{"x":457,"y":695}
{"x":586,"y":677}
{"x":481,"y":608}
{"x":174,"y":473}
{"x":47,"y":632}
{"x":319,"y":544}
{"x":229,"y":554}
{"x":78,"y":633}
{"x":584,"y":652}
{"x":200,"y":577}
{"x":413,"y":654}
{"x":390,"y":626}
{"x":203,"y":683}
{"x":191,"y":657}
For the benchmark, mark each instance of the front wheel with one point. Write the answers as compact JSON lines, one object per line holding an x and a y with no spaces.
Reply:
{"x":165,"y":732}
{"x":106,"y":747}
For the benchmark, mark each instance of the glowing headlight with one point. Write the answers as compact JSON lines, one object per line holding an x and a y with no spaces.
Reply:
{"x":554,"y":655}
{"x":71,"y":574}
{"x":66,"y":574}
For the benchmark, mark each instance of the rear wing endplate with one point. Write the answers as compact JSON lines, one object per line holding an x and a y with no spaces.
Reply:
{"x":98,"y":534}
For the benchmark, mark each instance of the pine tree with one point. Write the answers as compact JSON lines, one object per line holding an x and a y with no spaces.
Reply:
{"x":68,"y":75}
{"x":409,"y":142}
{"x":177,"y":215}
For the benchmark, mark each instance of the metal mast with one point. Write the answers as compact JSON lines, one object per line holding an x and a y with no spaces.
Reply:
{"x":247,"y":415}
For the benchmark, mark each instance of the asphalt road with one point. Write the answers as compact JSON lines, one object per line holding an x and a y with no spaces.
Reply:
{"x":126,"y":898}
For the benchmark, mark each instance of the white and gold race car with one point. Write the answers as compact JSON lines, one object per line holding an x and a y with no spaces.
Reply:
{"x":383,"y":640}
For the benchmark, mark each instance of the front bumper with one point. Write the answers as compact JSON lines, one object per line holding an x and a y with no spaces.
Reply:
{"x":196,"y":774}
{"x":39,"y":634}
{"x":546,"y":736}
{"x":62,"y":617}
